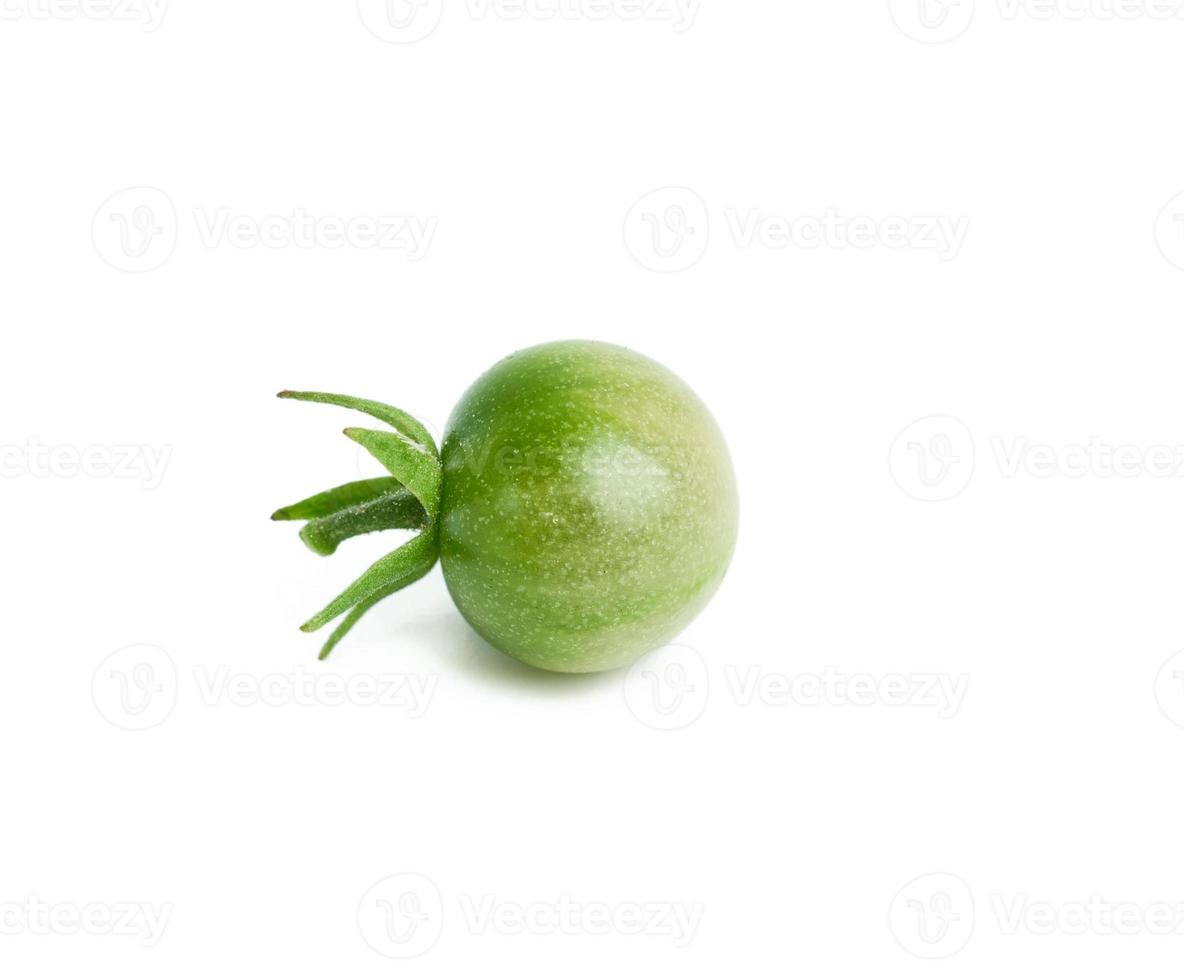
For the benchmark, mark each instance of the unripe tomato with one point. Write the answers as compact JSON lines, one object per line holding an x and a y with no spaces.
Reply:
{"x":583,"y":507}
{"x":589,"y":507}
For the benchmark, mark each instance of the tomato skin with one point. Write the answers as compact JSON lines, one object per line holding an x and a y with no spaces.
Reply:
{"x":589,"y":507}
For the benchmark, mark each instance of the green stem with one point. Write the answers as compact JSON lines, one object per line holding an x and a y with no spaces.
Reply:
{"x":408,"y":498}
{"x":397,"y":570}
{"x":393,"y":510}
{"x":332,"y":501}
{"x":364,"y":607}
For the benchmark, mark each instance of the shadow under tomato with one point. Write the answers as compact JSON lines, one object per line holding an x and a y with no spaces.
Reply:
{"x":464,"y":649}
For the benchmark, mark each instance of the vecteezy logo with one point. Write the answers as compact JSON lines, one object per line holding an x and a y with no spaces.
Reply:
{"x":668,"y":229}
{"x":933,"y":459}
{"x":402,"y":916}
{"x":932,"y":21}
{"x":1169,"y":689}
{"x":668,"y":688}
{"x":401,"y":21}
{"x":933,"y":916}
{"x":1169,"y":231}
{"x":136,"y":687}
{"x":136,"y":229}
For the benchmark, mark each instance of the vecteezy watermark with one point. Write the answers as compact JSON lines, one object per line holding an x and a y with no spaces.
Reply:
{"x":670,"y":689}
{"x":1169,"y":230}
{"x":408,"y":21}
{"x":137,"y":230}
{"x":1097,"y":916}
{"x":149,"y":14}
{"x":932,"y":21}
{"x":402,"y":917}
{"x":33,"y":916}
{"x":1169,"y":689}
{"x":300,"y":687}
{"x":401,"y":233}
{"x":669,"y":229}
{"x":654,"y":466}
{"x":1100,"y":10}
{"x":401,"y":21}
{"x":934,"y":459}
{"x":939,"y":21}
{"x":135,"y":688}
{"x":679,"y":14}
{"x":41,"y":461}
{"x":942,"y":234}
{"x":933,"y":916}
{"x":941,"y":693}
{"x":565,"y":916}
{"x":1018,"y":456}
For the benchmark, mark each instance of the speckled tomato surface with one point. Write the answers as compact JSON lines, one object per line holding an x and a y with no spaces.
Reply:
{"x":588,"y":507}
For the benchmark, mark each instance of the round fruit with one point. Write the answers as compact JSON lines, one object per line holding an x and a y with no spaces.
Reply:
{"x":583,"y":507}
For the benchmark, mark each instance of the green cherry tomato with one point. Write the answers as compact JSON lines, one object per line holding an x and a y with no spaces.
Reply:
{"x":583,"y":507}
{"x":589,"y":508}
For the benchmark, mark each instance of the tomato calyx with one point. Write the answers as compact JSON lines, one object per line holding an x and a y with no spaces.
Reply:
{"x":409,"y":498}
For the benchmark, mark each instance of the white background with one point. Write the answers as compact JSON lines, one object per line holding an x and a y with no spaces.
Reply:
{"x":1022,"y":547}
